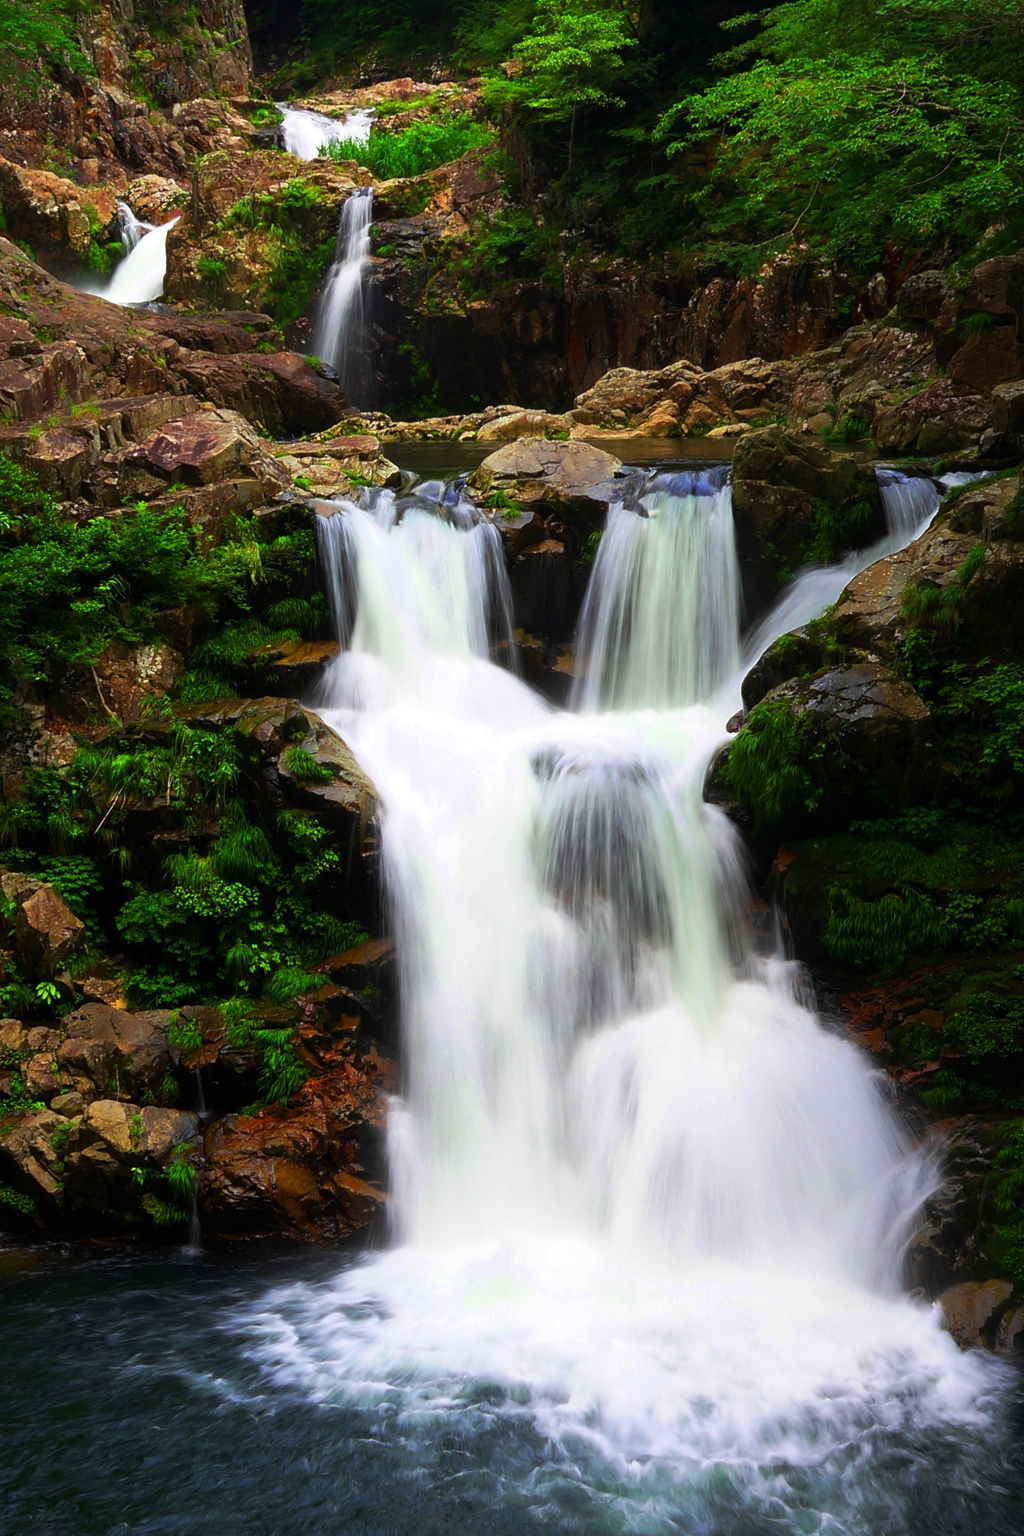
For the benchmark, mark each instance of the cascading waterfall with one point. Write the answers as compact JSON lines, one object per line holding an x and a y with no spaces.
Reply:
{"x":340,"y":333}
{"x":667,"y":551}
{"x":139,"y":277}
{"x":646,"y":1205}
{"x":306,"y":133}
{"x":909,"y":503}
{"x":130,"y":228}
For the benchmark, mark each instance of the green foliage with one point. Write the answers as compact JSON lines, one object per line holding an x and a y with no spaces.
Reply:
{"x":212,"y":269}
{"x":13,"y":1200}
{"x":987,"y":1026}
{"x":766,"y":765}
{"x":282,"y":1071}
{"x":571,"y":58}
{"x":848,"y":429}
{"x":420,"y":147}
{"x":853,"y":123}
{"x":184,"y":1033}
{"x":887,"y":931}
{"x":37,"y":37}
{"x":305,"y":768}
{"x":837,"y":530}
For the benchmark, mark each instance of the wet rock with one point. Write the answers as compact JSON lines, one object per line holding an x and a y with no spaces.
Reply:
{"x":303,"y":1171}
{"x":971,"y":1311}
{"x":544,"y":599}
{"x":325,"y":467}
{"x":567,"y":477}
{"x":296,"y":665}
{"x":788,"y":492}
{"x":107,"y":1048}
{"x":45,"y":931}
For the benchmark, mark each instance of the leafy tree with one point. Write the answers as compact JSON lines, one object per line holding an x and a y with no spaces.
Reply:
{"x":570,"y":61}
{"x":37,"y":34}
{"x":853,"y":122}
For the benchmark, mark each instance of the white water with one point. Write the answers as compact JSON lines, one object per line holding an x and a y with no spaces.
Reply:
{"x":139,"y":277}
{"x":306,"y":133}
{"x":643,"y":1201}
{"x":340,"y":334}
{"x":909,"y":504}
{"x":130,"y":228}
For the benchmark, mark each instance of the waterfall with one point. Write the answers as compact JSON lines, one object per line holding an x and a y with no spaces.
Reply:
{"x":909,"y":503}
{"x":668,"y":555}
{"x":644,"y":1204}
{"x":306,"y":133}
{"x":139,"y":277}
{"x":340,"y":333}
{"x":130,"y":228}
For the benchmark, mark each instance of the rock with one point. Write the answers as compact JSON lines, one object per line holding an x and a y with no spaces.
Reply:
{"x":128,"y":677}
{"x":278,"y":392}
{"x":923,"y":295}
{"x":29,"y":1163}
{"x":45,"y":930}
{"x":870,"y":613}
{"x":970,"y":1311}
{"x":52,"y":214}
{"x":997,"y":288}
{"x":215,"y":455}
{"x":795,"y":500}
{"x":504,"y":429}
{"x":987,"y":361}
{"x":107,"y":1048}
{"x":348,"y":799}
{"x":1009,"y":1338}
{"x":297,"y":664}
{"x":154,"y":198}
{"x":303,"y":1171}
{"x":544,"y":599}
{"x":69,"y":1105}
{"x":565,"y":476}
{"x":947,"y":416}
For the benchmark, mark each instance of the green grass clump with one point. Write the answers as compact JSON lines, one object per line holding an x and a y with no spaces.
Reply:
{"x":418,"y":148}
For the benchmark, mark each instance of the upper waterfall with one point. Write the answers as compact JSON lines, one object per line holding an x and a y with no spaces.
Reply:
{"x":306,"y":133}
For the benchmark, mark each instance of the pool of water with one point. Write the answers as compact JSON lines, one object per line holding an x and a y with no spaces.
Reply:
{"x":139,"y":1400}
{"x":442,"y":459}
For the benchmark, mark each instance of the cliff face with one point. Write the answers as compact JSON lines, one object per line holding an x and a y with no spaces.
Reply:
{"x":149,"y":59}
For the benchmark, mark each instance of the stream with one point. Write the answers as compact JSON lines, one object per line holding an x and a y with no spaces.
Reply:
{"x":648,"y":1211}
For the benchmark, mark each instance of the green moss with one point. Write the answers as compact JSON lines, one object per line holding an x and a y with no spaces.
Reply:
{"x":771,"y":764}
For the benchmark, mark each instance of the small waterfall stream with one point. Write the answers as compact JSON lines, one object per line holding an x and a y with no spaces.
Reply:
{"x":139,"y":277}
{"x":643,"y":1200}
{"x":340,"y":336}
{"x":306,"y":133}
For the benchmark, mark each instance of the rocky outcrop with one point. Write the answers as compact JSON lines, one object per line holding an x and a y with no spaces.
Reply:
{"x":570,"y":478}
{"x":795,"y":501}
{"x":42,"y":928}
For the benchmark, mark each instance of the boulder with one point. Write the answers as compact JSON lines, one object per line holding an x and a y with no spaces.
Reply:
{"x":128,"y":677}
{"x":46,"y":932}
{"x":108,"y":1048}
{"x":279,"y":392}
{"x":513,"y":424}
{"x":795,"y":501}
{"x":949,"y":415}
{"x":30,"y":1164}
{"x":970,"y":1311}
{"x":571,"y":478}
{"x":304,"y":1171}
{"x":923,"y":295}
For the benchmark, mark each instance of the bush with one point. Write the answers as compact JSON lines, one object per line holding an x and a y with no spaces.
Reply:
{"x":418,"y":148}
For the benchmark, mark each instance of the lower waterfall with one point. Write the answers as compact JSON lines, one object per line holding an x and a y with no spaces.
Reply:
{"x":649,"y":1213}
{"x":139,"y":277}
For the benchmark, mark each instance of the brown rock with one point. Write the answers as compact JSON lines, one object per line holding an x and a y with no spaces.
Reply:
{"x":985,"y":361}
{"x":969,"y":1311}
{"x":107,"y":1048}
{"x":566,"y":476}
{"x":46,"y":931}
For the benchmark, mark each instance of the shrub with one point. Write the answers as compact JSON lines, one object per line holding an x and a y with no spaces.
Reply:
{"x":418,"y":148}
